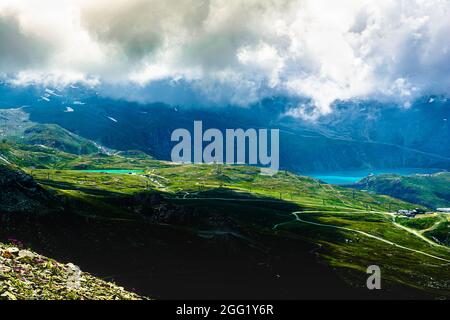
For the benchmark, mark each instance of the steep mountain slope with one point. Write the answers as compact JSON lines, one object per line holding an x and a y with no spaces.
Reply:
{"x":54,"y":136}
{"x":221,"y":231}
{"x":424,"y":126}
{"x":43,"y":157}
{"x":26,"y":275}
{"x":13,"y":122}
{"x":233,"y":234}
{"x":196,"y":231}
{"x":357,"y":135}
{"x":431,"y":190}
{"x":21,"y":194}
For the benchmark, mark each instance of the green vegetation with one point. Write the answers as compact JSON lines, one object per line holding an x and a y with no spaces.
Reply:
{"x":42,"y":157}
{"x":430,"y":190}
{"x":52,"y":135}
{"x":188,"y":181}
{"x":349,"y":250}
{"x":441,"y":233}
{"x":258,"y":203}
{"x":200,"y":218}
{"x":422,"y":222}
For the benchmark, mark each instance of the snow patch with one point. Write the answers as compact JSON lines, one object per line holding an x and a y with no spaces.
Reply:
{"x":51,"y":92}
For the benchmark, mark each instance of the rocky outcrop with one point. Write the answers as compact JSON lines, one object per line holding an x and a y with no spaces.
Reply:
{"x":20,"y":193}
{"x":26,"y":275}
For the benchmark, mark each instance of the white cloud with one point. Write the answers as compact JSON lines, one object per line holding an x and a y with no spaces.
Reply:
{"x":235,"y":51}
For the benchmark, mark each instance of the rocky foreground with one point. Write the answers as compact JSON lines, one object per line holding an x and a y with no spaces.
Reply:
{"x":28,"y":275}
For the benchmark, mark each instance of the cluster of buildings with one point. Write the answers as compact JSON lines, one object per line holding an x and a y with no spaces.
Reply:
{"x":410,"y":213}
{"x":416,"y":211}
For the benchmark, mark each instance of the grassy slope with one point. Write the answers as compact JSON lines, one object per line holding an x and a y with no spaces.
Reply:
{"x":257,"y":204}
{"x":43,"y":157}
{"x":207,"y":187}
{"x":25,"y":274}
{"x":432,"y":190}
{"x":54,"y":136}
{"x":433,"y":226}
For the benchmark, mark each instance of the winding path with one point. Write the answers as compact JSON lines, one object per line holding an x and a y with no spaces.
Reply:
{"x":418,"y":234}
{"x":297,"y":218}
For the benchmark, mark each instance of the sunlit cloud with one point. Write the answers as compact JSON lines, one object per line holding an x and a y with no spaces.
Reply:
{"x":235,"y":51}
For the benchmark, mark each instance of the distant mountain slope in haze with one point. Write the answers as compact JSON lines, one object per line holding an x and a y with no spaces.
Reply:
{"x":357,"y":135}
{"x":431,"y":190}
{"x":424,"y":126}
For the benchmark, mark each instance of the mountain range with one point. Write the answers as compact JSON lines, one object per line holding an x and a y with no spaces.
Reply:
{"x":358,"y":134}
{"x":81,"y":182}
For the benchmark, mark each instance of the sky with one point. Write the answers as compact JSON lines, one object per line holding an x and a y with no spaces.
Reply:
{"x":232,"y":51}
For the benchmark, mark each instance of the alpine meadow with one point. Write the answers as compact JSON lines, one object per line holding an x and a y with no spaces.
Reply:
{"x":193,"y":150}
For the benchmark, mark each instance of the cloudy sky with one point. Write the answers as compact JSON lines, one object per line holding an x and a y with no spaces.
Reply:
{"x":234,"y":51}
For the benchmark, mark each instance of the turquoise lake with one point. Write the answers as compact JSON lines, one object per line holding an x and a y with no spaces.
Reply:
{"x":337,"y":177}
{"x":349,"y":177}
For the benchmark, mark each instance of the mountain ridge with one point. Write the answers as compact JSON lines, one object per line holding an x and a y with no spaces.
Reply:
{"x":356,"y":135}
{"x":430,"y":190}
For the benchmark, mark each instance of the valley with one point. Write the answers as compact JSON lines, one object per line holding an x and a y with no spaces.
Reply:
{"x":225,"y":156}
{"x":86,"y":195}
{"x":385,"y":136}
{"x":175,"y":231}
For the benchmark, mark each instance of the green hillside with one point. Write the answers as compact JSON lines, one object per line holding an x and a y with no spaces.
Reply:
{"x":43,"y":157}
{"x":52,"y":135}
{"x":224,"y":231}
{"x":434,"y":226}
{"x":430,"y":190}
